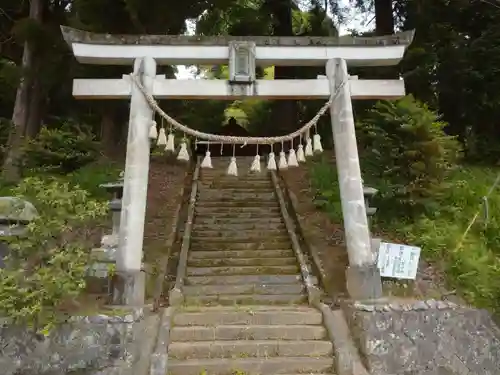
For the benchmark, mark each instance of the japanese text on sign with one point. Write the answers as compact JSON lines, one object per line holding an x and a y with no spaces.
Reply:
{"x":398,"y":261}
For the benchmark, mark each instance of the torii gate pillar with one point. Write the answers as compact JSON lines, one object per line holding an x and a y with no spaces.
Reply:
{"x":130,"y":279}
{"x":362,"y":275}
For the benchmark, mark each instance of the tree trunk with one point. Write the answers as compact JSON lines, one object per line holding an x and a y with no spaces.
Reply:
{"x":384,"y":25}
{"x":284,"y":113}
{"x":11,"y":167}
{"x":384,"y":18}
{"x":34,"y":121}
{"x":110,"y":134}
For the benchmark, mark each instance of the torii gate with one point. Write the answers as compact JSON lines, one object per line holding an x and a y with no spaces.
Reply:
{"x":145,"y":52}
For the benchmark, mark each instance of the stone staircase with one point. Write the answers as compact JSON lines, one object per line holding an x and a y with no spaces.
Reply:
{"x":245,"y":305}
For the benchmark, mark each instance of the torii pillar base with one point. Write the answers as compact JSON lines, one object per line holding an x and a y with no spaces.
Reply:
{"x":363,"y":282}
{"x":129,"y":288}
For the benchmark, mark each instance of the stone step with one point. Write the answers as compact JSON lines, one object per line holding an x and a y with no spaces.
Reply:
{"x":241,"y":238}
{"x":217,"y":184}
{"x":247,"y":203}
{"x":249,"y":348}
{"x":247,"y":315}
{"x":256,"y":187}
{"x":252,"y":186}
{"x":243,"y":262}
{"x":208,"y":290}
{"x":220,"y":168}
{"x":237,"y":225}
{"x":255,"y":212}
{"x":242,"y":270}
{"x":200,"y":244}
{"x":241,"y":220}
{"x":230,"y":192}
{"x":240,"y":254}
{"x":224,"y":196}
{"x":228,"y":233}
{"x":238,"y":201}
{"x":215,"y":174}
{"x":246,"y":299}
{"x":236,"y":217}
{"x":224,"y":178}
{"x":261,"y":366}
{"x":242,"y":279}
{"x":248,"y":332}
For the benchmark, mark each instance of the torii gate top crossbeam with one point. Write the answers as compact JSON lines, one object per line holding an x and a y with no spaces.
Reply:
{"x":107,"y":49}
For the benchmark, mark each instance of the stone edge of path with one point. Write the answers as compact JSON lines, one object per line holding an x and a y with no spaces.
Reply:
{"x":291,"y":199}
{"x":159,"y":356}
{"x":313,"y":291}
{"x":176,"y":296}
{"x":347,"y":358}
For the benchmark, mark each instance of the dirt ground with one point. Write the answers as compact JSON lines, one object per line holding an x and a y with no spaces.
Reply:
{"x":165,"y":183}
{"x":166,"y":180}
{"x":326,"y":236}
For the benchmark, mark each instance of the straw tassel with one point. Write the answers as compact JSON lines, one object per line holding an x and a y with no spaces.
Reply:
{"x":318,"y":148}
{"x":232,"y":170}
{"x":183,"y":152}
{"x":162,"y":138}
{"x":292,"y":158}
{"x":300,"y":154}
{"x":255,"y":167}
{"x":282,"y":163}
{"x":207,"y":161}
{"x":309,"y":147}
{"x":271,"y":163}
{"x":153,"y":132}
{"x":170,"y":147}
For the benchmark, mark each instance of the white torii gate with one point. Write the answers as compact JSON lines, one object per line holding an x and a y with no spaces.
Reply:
{"x":242,"y":54}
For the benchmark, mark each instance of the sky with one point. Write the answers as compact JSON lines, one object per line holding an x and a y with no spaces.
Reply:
{"x":355,"y":21}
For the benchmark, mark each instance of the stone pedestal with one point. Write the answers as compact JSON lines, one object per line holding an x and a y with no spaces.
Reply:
{"x":102,"y":260}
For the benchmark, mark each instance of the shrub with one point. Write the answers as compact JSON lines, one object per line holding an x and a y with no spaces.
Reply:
{"x":60,"y":150}
{"x":47,"y":266}
{"x":403,"y":143}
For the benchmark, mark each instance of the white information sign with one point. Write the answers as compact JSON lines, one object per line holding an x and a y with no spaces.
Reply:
{"x":398,"y":261}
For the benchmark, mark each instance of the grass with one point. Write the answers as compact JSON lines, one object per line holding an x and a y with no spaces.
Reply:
{"x":88,"y":178}
{"x":472,"y":267}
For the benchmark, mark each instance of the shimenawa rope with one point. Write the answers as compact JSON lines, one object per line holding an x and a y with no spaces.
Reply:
{"x":232,"y":139}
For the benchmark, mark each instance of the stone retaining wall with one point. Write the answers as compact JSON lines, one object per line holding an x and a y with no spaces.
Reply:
{"x":84,"y":343}
{"x":426,"y":338}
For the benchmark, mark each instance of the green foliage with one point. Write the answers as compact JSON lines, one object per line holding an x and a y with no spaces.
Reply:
{"x":60,"y":150}
{"x":403,"y":142}
{"x":47,"y":266}
{"x":472,"y":267}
